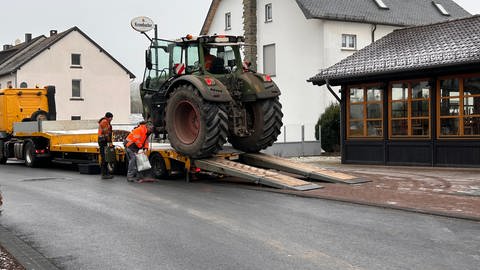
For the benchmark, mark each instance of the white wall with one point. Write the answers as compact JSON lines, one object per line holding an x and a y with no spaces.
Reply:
{"x":235,"y":7}
{"x":298,"y":48}
{"x":303,"y":47}
{"x":105,"y":86}
{"x":5,"y":79}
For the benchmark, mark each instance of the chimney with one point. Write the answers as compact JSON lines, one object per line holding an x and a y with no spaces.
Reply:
{"x":53,"y":33}
{"x":28,"y":37}
{"x":250,"y":31}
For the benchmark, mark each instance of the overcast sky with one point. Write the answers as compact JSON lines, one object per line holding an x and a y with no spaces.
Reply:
{"x":107,"y":22}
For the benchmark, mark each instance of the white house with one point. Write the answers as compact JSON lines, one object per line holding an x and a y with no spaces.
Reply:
{"x":88,"y":80}
{"x":296,"y":38}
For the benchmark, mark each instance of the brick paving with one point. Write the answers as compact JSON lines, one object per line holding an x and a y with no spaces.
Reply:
{"x":451,"y":192}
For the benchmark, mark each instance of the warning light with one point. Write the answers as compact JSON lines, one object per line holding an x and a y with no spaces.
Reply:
{"x":189,"y":36}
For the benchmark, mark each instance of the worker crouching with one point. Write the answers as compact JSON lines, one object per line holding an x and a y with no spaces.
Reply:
{"x":137,"y":141}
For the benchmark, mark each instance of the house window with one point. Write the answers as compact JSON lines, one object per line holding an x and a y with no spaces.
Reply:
{"x":365,"y":112}
{"x":268,"y":12}
{"x":349,"y":42}
{"x":76,"y":117}
{"x":409,"y":104}
{"x":228,"y":21}
{"x":76,"y":59}
{"x":459,"y":107}
{"x":269,"y":59}
{"x":76,"y":93}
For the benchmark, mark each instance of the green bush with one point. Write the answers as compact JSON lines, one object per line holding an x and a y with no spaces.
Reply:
{"x":330,"y":123}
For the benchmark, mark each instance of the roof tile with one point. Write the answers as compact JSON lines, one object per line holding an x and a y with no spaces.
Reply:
{"x":453,"y":42}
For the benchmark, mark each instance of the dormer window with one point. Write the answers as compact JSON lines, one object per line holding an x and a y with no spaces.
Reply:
{"x":381,"y":4}
{"x":228,"y":21}
{"x":441,"y":8}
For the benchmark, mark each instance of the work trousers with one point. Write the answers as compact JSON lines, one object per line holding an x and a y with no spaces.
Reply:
{"x":132,"y":163}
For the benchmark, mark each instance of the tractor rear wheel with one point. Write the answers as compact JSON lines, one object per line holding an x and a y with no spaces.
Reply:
{"x":195,"y":127}
{"x":264,"y":117}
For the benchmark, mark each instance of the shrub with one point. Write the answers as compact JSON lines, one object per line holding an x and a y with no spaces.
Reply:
{"x":330,"y":123}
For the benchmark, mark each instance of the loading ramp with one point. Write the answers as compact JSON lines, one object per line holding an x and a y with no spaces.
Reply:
{"x":299,"y":168}
{"x":256,"y":175}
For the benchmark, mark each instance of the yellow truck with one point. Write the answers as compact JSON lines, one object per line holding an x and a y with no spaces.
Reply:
{"x":29,"y":132}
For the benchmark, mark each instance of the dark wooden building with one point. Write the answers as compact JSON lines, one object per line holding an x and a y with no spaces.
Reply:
{"x":412,"y":97}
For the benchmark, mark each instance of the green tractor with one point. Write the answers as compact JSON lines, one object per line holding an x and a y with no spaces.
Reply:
{"x":199,"y":92}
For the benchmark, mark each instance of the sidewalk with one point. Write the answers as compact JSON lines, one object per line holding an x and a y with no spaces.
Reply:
{"x":452,"y":192}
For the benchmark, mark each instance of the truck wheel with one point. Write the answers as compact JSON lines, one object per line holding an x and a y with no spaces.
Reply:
{"x":196,"y":128}
{"x":31,"y":159}
{"x":264,"y":117}
{"x":39,"y":115}
{"x":159,"y":169}
{"x":3,"y":158}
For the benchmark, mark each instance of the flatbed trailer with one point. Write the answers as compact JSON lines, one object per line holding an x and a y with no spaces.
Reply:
{"x":75,"y":142}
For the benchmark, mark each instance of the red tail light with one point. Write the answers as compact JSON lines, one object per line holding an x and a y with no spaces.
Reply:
{"x":267,"y":78}
{"x":209,"y":81}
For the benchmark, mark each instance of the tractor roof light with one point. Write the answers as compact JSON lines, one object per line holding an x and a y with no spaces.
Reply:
{"x":222,"y":39}
{"x":189,"y":37}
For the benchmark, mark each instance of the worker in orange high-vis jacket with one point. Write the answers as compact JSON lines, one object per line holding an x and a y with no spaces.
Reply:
{"x":105,"y":137}
{"x":137,"y":140}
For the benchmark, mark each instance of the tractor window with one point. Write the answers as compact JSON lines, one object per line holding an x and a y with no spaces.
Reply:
{"x":177,"y":55}
{"x":192,"y":59}
{"x":159,"y":56}
{"x":223,"y":60}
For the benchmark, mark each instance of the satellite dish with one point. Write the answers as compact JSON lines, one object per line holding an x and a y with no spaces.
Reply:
{"x":142,"y":24}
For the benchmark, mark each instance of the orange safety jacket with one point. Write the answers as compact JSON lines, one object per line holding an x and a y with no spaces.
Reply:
{"x":138,"y":136}
{"x":209,"y":61}
{"x":105,"y":129}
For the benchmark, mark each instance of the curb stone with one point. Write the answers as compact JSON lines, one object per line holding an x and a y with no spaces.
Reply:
{"x":27,"y":256}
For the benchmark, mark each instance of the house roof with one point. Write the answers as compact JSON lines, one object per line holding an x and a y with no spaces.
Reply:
{"x":208,"y":20}
{"x":439,"y":45}
{"x":13,"y":50}
{"x":399,"y":12}
{"x":17,"y":56}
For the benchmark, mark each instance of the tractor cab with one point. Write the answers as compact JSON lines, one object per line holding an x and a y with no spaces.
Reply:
{"x":204,"y":55}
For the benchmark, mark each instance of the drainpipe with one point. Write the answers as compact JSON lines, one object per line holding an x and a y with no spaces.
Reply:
{"x":374,"y":28}
{"x":331,"y":91}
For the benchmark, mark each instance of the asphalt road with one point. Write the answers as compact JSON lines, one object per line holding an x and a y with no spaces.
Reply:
{"x":82,"y":222}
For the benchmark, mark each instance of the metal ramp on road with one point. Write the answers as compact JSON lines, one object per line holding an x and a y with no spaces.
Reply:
{"x":299,"y":168}
{"x":253,"y":174}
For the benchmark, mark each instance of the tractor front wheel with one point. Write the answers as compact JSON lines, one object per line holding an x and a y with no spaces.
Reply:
{"x":196,"y":128}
